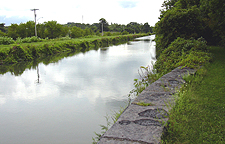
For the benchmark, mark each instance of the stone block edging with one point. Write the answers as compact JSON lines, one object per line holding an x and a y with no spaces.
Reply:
{"x":143,"y":124}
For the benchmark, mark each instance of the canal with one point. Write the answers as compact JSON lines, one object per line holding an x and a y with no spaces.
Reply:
{"x":66,"y":101}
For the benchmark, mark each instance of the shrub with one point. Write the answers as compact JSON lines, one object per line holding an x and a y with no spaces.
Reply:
{"x":64,"y":38}
{"x":6,"y":40}
{"x":107,"y":34}
{"x":18,"y":53}
{"x":29,"y":39}
{"x":185,"y":23}
{"x":181,"y":52}
{"x":76,"y":32}
{"x":125,"y":33}
{"x":3,"y":54}
{"x":2,"y":33}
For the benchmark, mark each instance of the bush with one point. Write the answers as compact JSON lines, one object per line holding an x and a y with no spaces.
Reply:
{"x":125,"y":33}
{"x":181,"y":52}
{"x":29,"y":39}
{"x":64,"y":38}
{"x":185,"y":23}
{"x":76,"y":32}
{"x":107,"y":34}
{"x":2,"y":34}
{"x":6,"y":40}
{"x":18,"y":53}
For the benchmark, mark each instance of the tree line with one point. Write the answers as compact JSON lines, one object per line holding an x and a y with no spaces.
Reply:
{"x":190,"y":19}
{"x":185,"y":30}
{"x":52,"y":29}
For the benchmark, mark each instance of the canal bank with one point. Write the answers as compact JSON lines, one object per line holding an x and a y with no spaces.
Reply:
{"x":15,"y":53}
{"x":145,"y":124}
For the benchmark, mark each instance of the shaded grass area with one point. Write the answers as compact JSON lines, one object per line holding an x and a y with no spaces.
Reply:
{"x":199,"y":114}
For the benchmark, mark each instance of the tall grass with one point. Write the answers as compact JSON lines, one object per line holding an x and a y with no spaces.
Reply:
{"x":199,"y":113}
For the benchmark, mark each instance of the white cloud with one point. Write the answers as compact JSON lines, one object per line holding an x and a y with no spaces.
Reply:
{"x":115,"y":11}
{"x":2,"y":100}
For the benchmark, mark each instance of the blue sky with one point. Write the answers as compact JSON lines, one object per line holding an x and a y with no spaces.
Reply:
{"x":115,"y":11}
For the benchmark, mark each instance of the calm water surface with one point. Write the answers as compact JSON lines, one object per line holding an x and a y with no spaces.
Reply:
{"x":72,"y":96}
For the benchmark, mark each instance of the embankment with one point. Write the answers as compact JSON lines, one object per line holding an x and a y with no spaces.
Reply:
{"x":140,"y":124}
{"x":28,"y":52}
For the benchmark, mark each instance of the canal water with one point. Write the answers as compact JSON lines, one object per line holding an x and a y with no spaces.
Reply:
{"x":65,"y":102}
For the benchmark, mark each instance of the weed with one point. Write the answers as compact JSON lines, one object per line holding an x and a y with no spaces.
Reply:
{"x":147,"y":76}
{"x":141,"y":103}
{"x":103,"y":130}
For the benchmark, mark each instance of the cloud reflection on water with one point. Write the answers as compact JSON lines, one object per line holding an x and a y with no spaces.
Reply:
{"x":84,"y":75}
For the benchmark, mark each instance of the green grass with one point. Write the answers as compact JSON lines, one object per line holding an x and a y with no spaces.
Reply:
{"x":199,"y":114}
{"x":58,"y":40}
{"x":10,"y":54}
{"x":141,"y":103}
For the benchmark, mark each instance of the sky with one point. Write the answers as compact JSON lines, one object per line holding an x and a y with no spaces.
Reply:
{"x":81,"y":11}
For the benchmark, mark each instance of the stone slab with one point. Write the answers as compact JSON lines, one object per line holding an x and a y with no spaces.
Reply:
{"x":144,"y":124}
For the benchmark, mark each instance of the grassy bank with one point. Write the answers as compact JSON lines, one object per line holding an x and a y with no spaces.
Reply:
{"x":199,"y":114}
{"x":14,"y":53}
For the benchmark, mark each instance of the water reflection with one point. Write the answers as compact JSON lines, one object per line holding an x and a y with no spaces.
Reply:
{"x":72,"y":97}
{"x":38,"y":75}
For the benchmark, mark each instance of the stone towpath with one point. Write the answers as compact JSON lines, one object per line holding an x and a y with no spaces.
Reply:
{"x":143,"y":124}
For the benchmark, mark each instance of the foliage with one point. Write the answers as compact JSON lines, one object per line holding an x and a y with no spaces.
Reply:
{"x":13,"y":31}
{"x":2,"y":28}
{"x":213,"y":12}
{"x":63,"y":38}
{"x":190,"y":18}
{"x":76,"y":32}
{"x":17,"y":54}
{"x":125,"y":33}
{"x":22,"y":30}
{"x":88,"y":32}
{"x":29,"y":39}
{"x":184,"y":23}
{"x":147,"y":75}
{"x":133,"y":27}
{"x":53,"y":47}
{"x":198,"y":116}
{"x":107,"y":34}
{"x":113,"y":27}
{"x":190,"y":53}
{"x":104,"y":129}
{"x":104,"y":23}
{"x":143,"y":104}
{"x":53,"y":29}
{"x":147,"y":28}
{"x":2,"y":34}
{"x":6,"y":40}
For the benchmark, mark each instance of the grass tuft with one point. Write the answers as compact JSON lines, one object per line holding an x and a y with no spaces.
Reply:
{"x":141,"y":103}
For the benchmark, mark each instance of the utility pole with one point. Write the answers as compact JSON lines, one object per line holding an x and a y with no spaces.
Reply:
{"x":102,"y":28}
{"x":35,"y":15}
{"x":82,"y":19}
